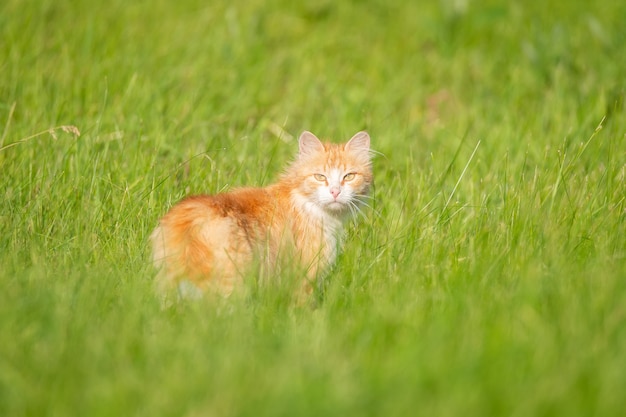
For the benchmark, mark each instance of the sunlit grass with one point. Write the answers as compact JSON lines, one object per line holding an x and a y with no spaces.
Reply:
{"x":487,"y":278}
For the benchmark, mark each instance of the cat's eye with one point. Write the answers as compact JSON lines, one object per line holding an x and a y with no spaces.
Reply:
{"x":349,"y":177}
{"x":319,"y":177}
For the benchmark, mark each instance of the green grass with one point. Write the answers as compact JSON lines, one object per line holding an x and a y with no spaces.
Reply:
{"x":489,"y":279}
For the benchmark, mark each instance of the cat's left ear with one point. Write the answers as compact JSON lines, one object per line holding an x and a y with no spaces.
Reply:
{"x":359,"y":143}
{"x":309,"y":144}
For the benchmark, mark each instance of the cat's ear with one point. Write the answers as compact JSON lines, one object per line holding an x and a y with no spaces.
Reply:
{"x":309,"y":144}
{"x":359,"y":143}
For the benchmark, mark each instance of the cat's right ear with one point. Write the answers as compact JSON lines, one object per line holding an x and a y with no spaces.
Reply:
{"x":359,"y":142}
{"x":309,"y":145}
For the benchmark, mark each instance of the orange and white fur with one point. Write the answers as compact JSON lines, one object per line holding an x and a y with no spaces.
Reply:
{"x":209,"y":242}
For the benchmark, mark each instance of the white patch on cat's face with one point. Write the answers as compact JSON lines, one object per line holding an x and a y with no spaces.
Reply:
{"x":334,"y":192}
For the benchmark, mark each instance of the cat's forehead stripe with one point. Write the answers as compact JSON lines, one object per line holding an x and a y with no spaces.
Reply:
{"x":337,"y":157}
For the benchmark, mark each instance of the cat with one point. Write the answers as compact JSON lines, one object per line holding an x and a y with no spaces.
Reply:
{"x":209,"y":242}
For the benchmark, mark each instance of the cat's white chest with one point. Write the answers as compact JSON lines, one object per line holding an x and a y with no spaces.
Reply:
{"x":333,"y":235}
{"x":330,"y":226}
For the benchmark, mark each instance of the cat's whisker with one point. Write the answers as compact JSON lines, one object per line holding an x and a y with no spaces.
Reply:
{"x":356,"y":209}
{"x":364,"y":204}
{"x":376,"y":212}
{"x":353,"y":210}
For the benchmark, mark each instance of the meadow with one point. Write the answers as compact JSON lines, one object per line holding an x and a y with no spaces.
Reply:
{"x":487,"y":279}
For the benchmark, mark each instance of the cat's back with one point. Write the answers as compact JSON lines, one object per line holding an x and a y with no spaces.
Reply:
{"x":245,"y":207}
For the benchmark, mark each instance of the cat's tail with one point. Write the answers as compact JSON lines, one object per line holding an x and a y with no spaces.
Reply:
{"x":195,"y":245}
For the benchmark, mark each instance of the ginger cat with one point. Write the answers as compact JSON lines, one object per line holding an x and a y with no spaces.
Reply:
{"x":211,"y":241}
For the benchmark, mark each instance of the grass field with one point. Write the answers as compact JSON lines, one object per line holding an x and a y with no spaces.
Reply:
{"x":489,"y":278}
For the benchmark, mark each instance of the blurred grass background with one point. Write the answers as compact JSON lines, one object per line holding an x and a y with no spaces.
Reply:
{"x":487,"y":280}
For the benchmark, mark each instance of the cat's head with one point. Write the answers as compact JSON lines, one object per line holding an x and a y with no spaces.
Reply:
{"x":335,"y":178}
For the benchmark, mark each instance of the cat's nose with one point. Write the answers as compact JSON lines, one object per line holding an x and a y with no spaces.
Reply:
{"x":335,"y":191}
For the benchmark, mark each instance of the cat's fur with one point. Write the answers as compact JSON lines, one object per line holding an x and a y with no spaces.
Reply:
{"x":210,"y":241}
